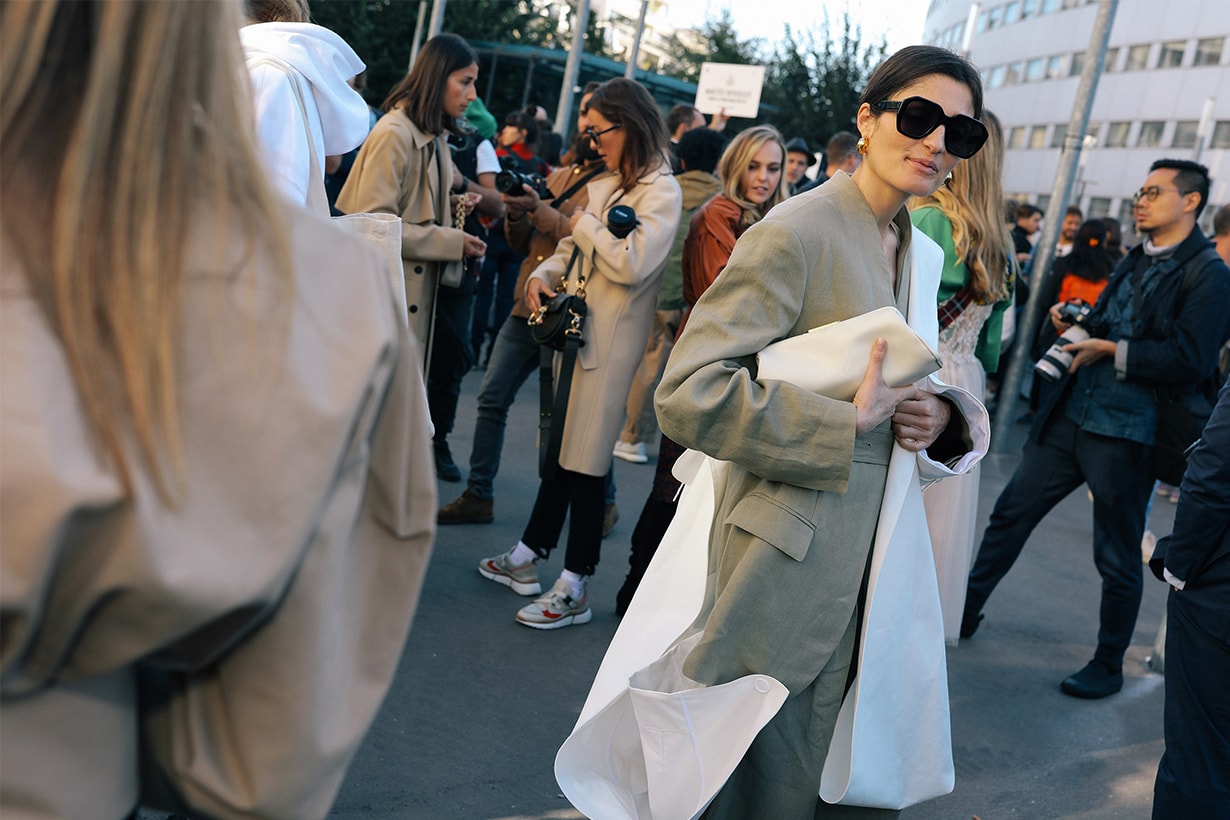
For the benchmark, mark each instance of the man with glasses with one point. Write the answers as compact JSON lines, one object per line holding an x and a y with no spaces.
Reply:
{"x":1155,"y":330}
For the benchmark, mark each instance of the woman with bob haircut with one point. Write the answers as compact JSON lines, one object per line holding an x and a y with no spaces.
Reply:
{"x":622,"y":277}
{"x":405,"y":168}
{"x":202,"y":605}
{"x":816,"y":485}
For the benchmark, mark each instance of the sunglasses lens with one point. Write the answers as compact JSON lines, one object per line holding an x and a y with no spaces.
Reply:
{"x":963,"y":135}
{"x":918,"y":117}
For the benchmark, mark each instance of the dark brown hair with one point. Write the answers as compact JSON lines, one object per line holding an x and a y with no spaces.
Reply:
{"x":626,"y":103}
{"x":911,"y":64}
{"x":422,"y":89}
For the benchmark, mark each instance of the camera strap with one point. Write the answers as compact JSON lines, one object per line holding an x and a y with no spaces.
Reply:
{"x":576,"y":186}
{"x":552,"y":397}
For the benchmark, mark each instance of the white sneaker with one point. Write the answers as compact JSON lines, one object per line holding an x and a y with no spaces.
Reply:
{"x":634,"y":453}
{"x":557,"y":609}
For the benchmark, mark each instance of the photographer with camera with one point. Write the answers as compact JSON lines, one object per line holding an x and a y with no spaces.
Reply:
{"x":498,"y":278}
{"x":532,"y":226}
{"x":622,"y":276}
{"x":1153,"y":335}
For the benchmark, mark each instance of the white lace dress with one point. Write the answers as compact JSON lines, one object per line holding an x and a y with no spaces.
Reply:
{"x":952,"y":504}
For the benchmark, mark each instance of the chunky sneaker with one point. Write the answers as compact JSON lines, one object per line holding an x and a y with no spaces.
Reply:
{"x":522,"y":579}
{"x":556,"y":609}
{"x":634,"y":453}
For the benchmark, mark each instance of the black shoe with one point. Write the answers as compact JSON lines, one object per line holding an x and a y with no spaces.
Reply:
{"x":446,"y":469}
{"x":969,"y":625}
{"x":1096,"y":680}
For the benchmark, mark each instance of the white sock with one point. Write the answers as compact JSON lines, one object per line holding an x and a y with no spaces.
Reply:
{"x":577,"y":582}
{"x":521,"y":554}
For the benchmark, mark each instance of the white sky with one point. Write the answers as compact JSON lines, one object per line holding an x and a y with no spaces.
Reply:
{"x":899,"y":21}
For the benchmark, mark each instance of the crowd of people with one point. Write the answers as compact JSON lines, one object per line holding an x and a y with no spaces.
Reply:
{"x":166,"y":547}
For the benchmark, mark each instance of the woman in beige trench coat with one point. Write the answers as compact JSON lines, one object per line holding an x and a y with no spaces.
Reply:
{"x":622,"y":278}
{"x":207,"y":575}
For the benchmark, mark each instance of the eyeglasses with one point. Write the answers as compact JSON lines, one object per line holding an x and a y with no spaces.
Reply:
{"x":1153,"y":192}
{"x":596,"y":136}
{"x":917,"y":117}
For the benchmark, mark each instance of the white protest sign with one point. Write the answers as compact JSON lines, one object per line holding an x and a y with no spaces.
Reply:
{"x":731,"y":86}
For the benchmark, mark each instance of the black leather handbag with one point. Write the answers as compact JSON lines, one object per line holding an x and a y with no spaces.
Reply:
{"x":562,"y":319}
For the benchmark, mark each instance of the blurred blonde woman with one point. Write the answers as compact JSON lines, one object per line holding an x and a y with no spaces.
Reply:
{"x":965,"y":218}
{"x":750,"y":172}
{"x":190,"y":392}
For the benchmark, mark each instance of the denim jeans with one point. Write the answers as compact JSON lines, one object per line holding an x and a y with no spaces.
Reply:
{"x":514,"y":356}
{"x":495,"y":293}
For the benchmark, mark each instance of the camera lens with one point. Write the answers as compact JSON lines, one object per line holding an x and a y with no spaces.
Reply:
{"x":620,"y":220}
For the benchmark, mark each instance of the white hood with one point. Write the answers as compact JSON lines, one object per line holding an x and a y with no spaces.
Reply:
{"x":326,"y":62}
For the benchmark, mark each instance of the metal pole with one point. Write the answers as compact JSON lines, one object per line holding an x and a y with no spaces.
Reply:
{"x":572,"y":70}
{"x":1045,"y":250}
{"x":418,"y":35}
{"x":630,"y":71}
{"x":437,"y":18}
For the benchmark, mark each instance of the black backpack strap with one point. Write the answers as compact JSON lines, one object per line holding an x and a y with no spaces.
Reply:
{"x":576,"y":186}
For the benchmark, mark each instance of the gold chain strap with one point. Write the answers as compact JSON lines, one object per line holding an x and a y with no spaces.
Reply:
{"x":459,"y":215}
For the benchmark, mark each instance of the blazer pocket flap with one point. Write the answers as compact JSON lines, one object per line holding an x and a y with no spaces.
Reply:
{"x":770,"y":520}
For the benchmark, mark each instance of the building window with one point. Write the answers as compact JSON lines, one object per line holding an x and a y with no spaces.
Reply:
{"x":1221,"y":135}
{"x":1016,"y":137}
{"x":1029,"y":8}
{"x":1058,"y":135}
{"x":1184,"y":134}
{"x":1012,"y":13}
{"x":1049,"y":6}
{"x":1054,"y":67}
{"x":1093,"y":129}
{"x":1137,"y":58}
{"x":1013,"y":75}
{"x":1117,"y":134}
{"x":1033,"y":70}
{"x":993,"y":17}
{"x":1150,"y":134}
{"x":981,"y":25}
{"x":997,"y":76}
{"x":1037,"y":137}
{"x":1171,"y":54}
{"x":1044,"y":202}
{"x":1098,"y":206}
{"x":1078,"y":64}
{"x":1110,"y":60}
{"x":1208,"y":52}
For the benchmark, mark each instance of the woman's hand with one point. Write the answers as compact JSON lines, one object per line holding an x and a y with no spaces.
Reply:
{"x":537,"y":292}
{"x":474,"y":246}
{"x":467,"y":201}
{"x":875,"y":400}
{"x":575,"y":218}
{"x":919,"y":420}
{"x":1057,"y":320}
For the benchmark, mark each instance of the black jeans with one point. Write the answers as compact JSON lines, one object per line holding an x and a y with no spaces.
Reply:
{"x":451,"y":357}
{"x":1117,"y":472}
{"x":582,"y":498}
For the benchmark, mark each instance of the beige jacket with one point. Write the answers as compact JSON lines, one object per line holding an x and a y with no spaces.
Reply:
{"x":407,"y":172}
{"x":622,"y":277}
{"x":264,"y":615}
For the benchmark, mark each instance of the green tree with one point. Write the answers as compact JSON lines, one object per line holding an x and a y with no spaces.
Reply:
{"x":716,"y":42}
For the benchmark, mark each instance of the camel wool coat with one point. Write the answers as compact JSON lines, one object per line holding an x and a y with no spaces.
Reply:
{"x":404,"y":171}
{"x":622,"y":279}
{"x":222,"y":656}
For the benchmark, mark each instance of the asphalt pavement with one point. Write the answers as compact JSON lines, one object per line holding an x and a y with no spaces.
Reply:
{"x":472,"y":723}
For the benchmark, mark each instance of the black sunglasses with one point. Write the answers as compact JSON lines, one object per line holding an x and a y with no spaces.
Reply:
{"x":917,"y":117}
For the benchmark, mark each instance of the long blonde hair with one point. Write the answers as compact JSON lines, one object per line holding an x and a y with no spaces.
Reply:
{"x":973,"y":200}
{"x":120,"y":120}
{"x":733,"y":164}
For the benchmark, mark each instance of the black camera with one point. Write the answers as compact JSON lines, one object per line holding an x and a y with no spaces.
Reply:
{"x":1074,"y":311}
{"x":510,"y":180}
{"x":621,"y":220}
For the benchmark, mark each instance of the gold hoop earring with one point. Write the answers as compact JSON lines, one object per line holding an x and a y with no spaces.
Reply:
{"x":861,"y":146}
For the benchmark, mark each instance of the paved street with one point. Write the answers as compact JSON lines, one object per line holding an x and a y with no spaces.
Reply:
{"x":471,"y":726}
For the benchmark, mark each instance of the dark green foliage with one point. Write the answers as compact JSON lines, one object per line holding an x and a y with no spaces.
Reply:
{"x":812,"y":80}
